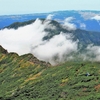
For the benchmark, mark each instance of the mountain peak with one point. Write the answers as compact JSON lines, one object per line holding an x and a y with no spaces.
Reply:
{"x":2,"y":50}
{"x":30,"y":57}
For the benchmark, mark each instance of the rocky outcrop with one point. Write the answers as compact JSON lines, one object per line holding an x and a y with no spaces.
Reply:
{"x":2,"y":50}
{"x":33,"y":59}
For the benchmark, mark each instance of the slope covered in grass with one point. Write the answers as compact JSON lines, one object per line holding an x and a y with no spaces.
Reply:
{"x":26,"y":78}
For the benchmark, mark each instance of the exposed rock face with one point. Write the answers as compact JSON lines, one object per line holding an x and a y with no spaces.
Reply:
{"x":2,"y":50}
{"x":33,"y":59}
{"x":28,"y":57}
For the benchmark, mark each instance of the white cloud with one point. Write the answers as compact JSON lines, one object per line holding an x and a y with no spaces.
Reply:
{"x":68,"y":24}
{"x":97,"y":17}
{"x":20,"y":40}
{"x":87,"y":15}
{"x":49,"y":17}
{"x":29,"y":39}
{"x":69,"y":19}
{"x":94,"y":51}
{"x":60,"y":48}
{"x":82,"y":25}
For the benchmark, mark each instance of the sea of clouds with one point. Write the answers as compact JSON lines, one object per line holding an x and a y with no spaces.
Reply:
{"x":29,"y":39}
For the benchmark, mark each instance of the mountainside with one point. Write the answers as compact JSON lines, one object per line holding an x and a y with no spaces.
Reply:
{"x":86,"y":19}
{"x":26,"y":78}
{"x":67,"y":42}
{"x":85,"y":37}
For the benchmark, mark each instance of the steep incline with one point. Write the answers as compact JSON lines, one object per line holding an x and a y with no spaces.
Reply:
{"x":26,"y":78}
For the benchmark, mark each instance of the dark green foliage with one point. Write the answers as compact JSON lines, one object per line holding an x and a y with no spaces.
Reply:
{"x":16,"y":25}
{"x":87,"y":37}
{"x":22,"y":79}
{"x":2,"y":50}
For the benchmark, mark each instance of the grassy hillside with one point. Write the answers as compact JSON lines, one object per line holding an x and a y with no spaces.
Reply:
{"x":26,"y":78}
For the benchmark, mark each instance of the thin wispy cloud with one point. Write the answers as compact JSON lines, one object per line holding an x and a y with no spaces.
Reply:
{"x":68,"y":24}
{"x":96,"y":17}
{"x":82,"y":25}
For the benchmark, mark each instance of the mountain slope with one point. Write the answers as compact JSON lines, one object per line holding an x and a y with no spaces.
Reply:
{"x":82,"y":19}
{"x":23,"y":79}
{"x":85,"y":37}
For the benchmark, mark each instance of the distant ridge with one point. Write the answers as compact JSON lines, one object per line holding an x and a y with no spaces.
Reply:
{"x":85,"y":37}
{"x":26,"y":57}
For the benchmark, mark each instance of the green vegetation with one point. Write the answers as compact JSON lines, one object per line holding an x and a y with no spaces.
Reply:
{"x":26,"y":78}
{"x":16,"y":25}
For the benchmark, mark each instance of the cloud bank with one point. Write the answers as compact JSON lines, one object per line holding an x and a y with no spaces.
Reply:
{"x":49,"y":17}
{"x":29,"y":39}
{"x":90,"y":15}
{"x":68,"y":24}
{"x":55,"y":49}
{"x":87,"y":15}
{"x":59,"y":48}
{"x":97,"y":17}
{"x":82,"y":25}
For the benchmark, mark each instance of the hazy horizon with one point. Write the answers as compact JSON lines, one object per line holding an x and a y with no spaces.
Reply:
{"x":49,"y":12}
{"x":12,"y":7}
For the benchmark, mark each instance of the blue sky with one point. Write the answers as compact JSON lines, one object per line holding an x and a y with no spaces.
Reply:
{"x":8,"y":7}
